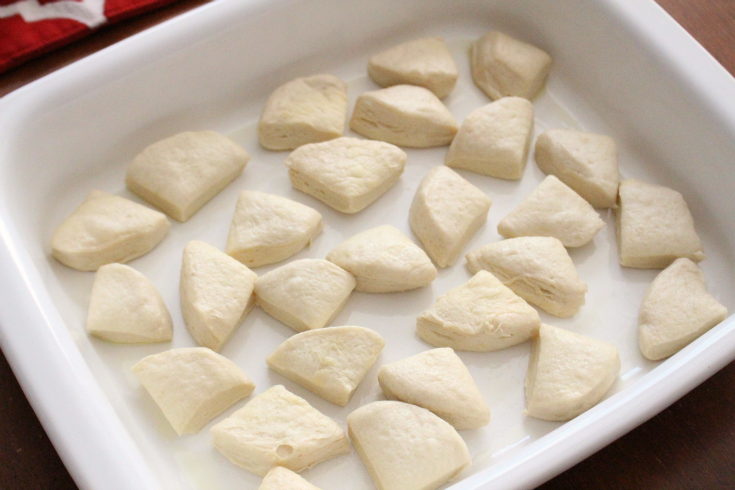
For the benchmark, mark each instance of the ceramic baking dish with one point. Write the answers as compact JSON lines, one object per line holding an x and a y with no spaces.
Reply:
{"x":621,"y":67}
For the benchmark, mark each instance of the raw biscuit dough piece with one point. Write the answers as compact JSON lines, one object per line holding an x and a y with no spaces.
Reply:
{"x":553,"y":209}
{"x":481,"y":315}
{"x":182,"y":173}
{"x":216,"y":292}
{"x":424,"y":62}
{"x":437,"y":380}
{"x":405,"y":447}
{"x":125,"y":307}
{"x":330,"y":362}
{"x":384,"y":260}
{"x":278,"y":428}
{"x":267,"y":228}
{"x":503,"y":66}
{"x":494,"y":139}
{"x":676,"y":310}
{"x":586,"y":162}
{"x":568,"y":374}
{"x":106,"y":229}
{"x":304,"y":110}
{"x":280,"y":478}
{"x":538,"y":269}
{"x":346,"y":173}
{"x":404,"y":115}
{"x":192,"y":385}
{"x":654,"y":227}
{"x":445,"y":214}
{"x":305,"y":294}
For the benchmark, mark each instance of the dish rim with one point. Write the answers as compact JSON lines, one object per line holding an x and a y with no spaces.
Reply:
{"x":63,"y":389}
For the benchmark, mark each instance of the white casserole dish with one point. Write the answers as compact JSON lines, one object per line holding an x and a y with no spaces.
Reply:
{"x":621,"y":67}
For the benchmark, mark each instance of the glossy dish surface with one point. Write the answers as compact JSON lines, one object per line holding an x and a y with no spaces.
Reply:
{"x":666,"y":102}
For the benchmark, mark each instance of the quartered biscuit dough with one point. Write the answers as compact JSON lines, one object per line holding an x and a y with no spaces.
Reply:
{"x":437,"y":380}
{"x":538,"y":269}
{"x":553,"y":209}
{"x":654,"y":227}
{"x":267,"y":228}
{"x":404,"y":115}
{"x":445,"y":214}
{"x":347,"y":174}
{"x":586,"y":162}
{"x":304,"y":294}
{"x":481,"y":315}
{"x":278,"y":428}
{"x":568,"y":374}
{"x":280,"y":478}
{"x":304,"y":110}
{"x":216,"y":294}
{"x":676,"y":310}
{"x":191,"y":386}
{"x":405,"y":447}
{"x":424,"y":62}
{"x":330,"y":362}
{"x":125,"y":307}
{"x":384,"y":260}
{"x":494,"y":139}
{"x":106,"y":229}
{"x":182,"y":173}
{"x":503,"y":66}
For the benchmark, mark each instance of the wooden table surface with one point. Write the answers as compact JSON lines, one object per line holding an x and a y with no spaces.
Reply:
{"x":689,"y":445}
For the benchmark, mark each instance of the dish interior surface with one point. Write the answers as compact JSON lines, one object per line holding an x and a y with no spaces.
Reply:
{"x":86,"y":143}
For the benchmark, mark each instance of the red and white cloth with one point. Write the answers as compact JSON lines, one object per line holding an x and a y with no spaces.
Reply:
{"x":29,"y":28}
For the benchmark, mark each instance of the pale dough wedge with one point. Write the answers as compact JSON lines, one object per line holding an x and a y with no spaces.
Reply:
{"x":424,"y":62}
{"x":280,"y":478}
{"x":553,"y":209}
{"x":568,"y":374}
{"x":538,"y":269}
{"x":481,"y":315}
{"x":676,"y":310}
{"x":305,"y":294}
{"x":654,"y":227}
{"x":182,"y":173}
{"x":503,"y":66}
{"x":404,"y":115}
{"x":437,"y":380}
{"x":347,"y":174}
{"x":494,"y":139}
{"x":330,"y":362}
{"x":384,"y":260}
{"x":405,"y":447}
{"x":278,"y":428}
{"x":445,"y":214}
{"x":586,"y":162}
{"x":216,"y":292}
{"x":125,"y":307}
{"x":267,"y":228}
{"x":106,"y":229}
{"x":304,"y":110}
{"x":193,"y":385}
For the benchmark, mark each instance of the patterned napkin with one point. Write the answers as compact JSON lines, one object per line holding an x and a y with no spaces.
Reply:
{"x":29,"y":28}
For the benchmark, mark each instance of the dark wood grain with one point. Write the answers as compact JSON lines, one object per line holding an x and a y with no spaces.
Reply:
{"x":28,"y":461}
{"x":690,"y":445}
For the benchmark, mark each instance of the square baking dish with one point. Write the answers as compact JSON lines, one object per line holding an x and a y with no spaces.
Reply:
{"x":621,"y":67}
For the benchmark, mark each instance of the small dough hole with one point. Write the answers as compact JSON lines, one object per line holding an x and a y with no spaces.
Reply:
{"x":284,"y":451}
